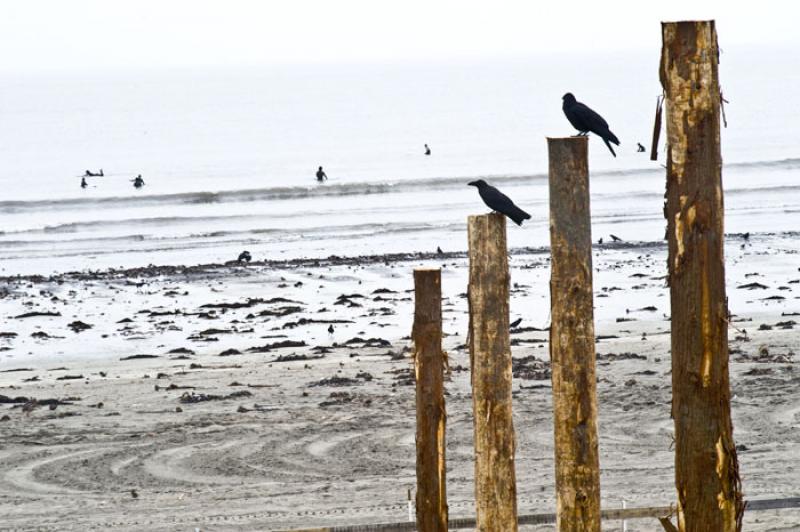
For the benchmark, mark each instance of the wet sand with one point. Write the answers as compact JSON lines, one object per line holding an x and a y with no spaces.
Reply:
{"x":214,"y":396}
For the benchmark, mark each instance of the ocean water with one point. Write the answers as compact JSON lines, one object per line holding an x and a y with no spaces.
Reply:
{"x":229,"y":156}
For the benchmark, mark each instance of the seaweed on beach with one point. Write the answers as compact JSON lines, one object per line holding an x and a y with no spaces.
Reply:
{"x":35,"y":314}
{"x":371,"y":342}
{"x":180,"y":351}
{"x":293,"y":357}
{"x":335,"y":381}
{"x":620,"y":356}
{"x":276,"y":345}
{"x":4,"y":399}
{"x":79,"y":326}
{"x":281,"y":311}
{"x":249,"y":302}
{"x":191,"y":397}
{"x":403,"y":376}
{"x":530,"y":368}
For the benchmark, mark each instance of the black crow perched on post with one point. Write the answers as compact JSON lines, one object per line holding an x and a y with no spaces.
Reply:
{"x":497,"y":201}
{"x":585,"y":120}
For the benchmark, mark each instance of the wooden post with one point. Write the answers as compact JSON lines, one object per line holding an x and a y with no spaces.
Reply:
{"x":706,"y":467}
{"x":490,"y":358}
{"x":572,"y":355}
{"x":429,"y":366}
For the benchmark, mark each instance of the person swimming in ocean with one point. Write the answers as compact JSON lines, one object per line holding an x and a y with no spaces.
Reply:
{"x":427,"y":150}
{"x":138,"y":182}
{"x":84,"y":184}
{"x":321,"y":175}
{"x":89,"y":173}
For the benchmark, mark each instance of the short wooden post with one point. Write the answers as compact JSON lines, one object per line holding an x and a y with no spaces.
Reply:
{"x":429,"y":366}
{"x":572,"y":355}
{"x":490,"y":356}
{"x":706,"y":466}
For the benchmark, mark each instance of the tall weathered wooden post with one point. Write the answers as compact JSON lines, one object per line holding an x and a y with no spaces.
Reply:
{"x":572,"y":353}
{"x":431,"y":416}
{"x":706,"y":467}
{"x":490,"y":356}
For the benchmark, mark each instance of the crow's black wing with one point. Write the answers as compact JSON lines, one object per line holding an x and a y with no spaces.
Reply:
{"x":589,"y":117}
{"x":495,"y":199}
{"x":575,"y":119}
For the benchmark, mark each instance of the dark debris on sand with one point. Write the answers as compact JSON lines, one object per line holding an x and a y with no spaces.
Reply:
{"x":530,"y":368}
{"x":191,"y":397}
{"x":613,"y":357}
{"x":293,"y":357}
{"x":335,"y":381}
{"x":276,"y":345}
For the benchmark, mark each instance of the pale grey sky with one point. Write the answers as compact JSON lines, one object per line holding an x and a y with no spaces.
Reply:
{"x":43,"y":34}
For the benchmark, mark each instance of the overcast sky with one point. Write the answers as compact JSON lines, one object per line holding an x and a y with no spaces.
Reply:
{"x":43,"y":34}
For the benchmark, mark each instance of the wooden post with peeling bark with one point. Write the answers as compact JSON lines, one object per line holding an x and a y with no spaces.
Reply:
{"x":429,"y":366}
{"x":572,"y":351}
{"x":706,"y":466}
{"x":490,"y":358}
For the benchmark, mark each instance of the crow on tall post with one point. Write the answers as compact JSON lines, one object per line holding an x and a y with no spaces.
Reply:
{"x":585,"y":120}
{"x":497,"y":201}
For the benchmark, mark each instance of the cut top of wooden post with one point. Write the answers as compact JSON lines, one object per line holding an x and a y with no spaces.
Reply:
{"x":577,"y":144}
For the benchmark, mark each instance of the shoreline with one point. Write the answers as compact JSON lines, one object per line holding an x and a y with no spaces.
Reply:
{"x":152,"y":270}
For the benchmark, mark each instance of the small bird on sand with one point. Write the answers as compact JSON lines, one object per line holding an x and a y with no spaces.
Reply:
{"x":28,"y":407}
{"x":585,"y":120}
{"x":499,"y":202}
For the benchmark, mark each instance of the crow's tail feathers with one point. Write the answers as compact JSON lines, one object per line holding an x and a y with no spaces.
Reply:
{"x":609,"y":145}
{"x":518,"y":215}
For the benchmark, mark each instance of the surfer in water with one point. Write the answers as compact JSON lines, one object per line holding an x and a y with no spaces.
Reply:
{"x":84,"y":184}
{"x":321,"y":175}
{"x":427,"y":150}
{"x":92,"y":174}
{"x":138,"y":182}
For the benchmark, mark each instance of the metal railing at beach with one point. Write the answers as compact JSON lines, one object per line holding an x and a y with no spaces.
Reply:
{"x":619,"y":514}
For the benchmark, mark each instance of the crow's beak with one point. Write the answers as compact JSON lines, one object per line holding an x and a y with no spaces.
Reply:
{"x":473,"y":183}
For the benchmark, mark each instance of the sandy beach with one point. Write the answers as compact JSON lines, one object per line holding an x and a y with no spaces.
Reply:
{"x":214,"y":397}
